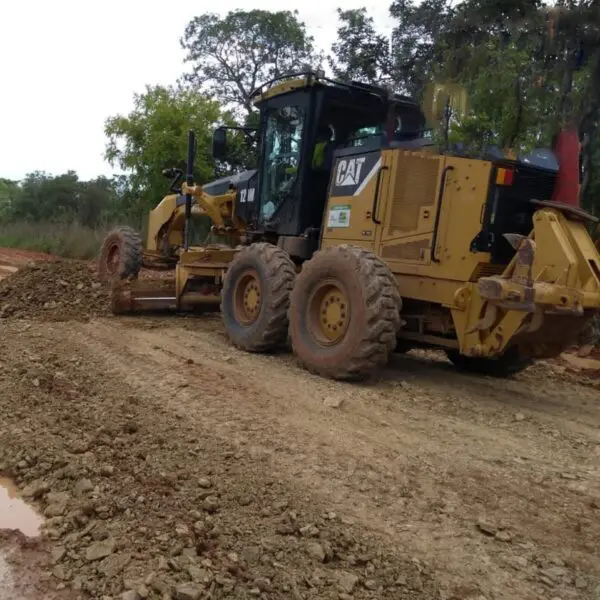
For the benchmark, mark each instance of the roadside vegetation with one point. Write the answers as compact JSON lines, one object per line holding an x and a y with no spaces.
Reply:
{"x":68,"y":240}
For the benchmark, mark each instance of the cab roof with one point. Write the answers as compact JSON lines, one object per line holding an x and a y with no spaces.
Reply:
{"x":296,"y":81}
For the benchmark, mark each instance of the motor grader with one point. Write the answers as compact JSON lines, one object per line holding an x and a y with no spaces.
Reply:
{"x":385,"y":243}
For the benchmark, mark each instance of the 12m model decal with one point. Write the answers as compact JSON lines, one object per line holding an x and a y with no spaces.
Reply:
{"x":247,"y":195}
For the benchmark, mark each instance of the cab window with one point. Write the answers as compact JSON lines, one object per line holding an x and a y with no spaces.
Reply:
{"x":283,"y":146}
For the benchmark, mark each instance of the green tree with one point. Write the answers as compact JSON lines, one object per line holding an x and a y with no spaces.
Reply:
{"x":47,"y":198}
{"x":530,"y":70}
{"x":153,"y":136}
{"x":96,"y":199}
{"x":231,"y":56}
{"x":63,"y":198}
{"x":504,"y":106}
{"x":360,"y":53}
{"x":10,"y":192}
{"x":406,"y":61}
{"x":418,"y":41}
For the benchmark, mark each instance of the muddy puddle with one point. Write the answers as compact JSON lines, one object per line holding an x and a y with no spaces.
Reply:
{"x":15,"y":513}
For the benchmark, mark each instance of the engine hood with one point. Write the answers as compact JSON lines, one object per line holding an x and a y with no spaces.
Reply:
{"x":221,"y":186}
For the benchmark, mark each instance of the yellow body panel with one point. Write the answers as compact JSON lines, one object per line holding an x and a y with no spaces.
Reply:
{"x":487,"y":306}
{"x":409,"y":189}
{"x":161,"y":215}
{"x":169,"y":218}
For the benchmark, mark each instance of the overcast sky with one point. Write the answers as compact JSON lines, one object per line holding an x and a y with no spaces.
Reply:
{"x":66,"y":65}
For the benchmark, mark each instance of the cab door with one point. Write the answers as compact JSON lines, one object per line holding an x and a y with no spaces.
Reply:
{"x":359,"y":182}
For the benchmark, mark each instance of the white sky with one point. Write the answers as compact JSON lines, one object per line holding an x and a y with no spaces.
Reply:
{"x":67,"y":65}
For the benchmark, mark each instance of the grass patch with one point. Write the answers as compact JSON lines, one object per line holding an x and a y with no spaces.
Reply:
{"x":65,"y":240}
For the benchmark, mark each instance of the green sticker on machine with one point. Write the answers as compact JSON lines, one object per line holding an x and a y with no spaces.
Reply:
{"x":339,"y":216}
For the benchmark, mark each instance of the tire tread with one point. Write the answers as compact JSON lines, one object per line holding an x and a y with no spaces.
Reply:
{"x":382,"y":304}
{"x":280,"y":273}
{"x":131,"y":253}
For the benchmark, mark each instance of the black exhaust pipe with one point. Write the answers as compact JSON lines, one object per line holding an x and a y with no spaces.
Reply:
{"x":189,"y":180}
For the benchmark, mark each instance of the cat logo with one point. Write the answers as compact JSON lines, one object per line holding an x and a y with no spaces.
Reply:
{"x":348,"y":171}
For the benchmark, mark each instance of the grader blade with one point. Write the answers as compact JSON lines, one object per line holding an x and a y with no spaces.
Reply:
{"x":143,"y":296}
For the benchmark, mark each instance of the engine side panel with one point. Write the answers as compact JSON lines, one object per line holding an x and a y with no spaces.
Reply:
{"x":246,"y":203}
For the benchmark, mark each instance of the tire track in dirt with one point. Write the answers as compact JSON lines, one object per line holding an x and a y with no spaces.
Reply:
{"x":147,"y":472}
{"x":417,"y":462}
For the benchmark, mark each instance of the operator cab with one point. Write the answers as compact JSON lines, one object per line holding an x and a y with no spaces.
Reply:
{"x":306,"y":123}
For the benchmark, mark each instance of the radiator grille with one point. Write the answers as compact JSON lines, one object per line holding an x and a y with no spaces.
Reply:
{"x":414,"y":188}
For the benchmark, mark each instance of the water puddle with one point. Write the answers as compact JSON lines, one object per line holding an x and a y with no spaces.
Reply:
{"x":16,"y":514}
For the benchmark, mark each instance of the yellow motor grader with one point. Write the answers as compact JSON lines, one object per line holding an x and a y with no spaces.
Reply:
{"x":356,"y":236}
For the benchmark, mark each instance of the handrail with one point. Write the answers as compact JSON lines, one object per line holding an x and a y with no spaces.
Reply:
{"x":438,"y":213}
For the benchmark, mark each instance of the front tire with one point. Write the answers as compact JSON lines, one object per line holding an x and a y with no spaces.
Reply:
{"x":256,"y":297}
{"x":121,"y":255}
{"x":344,"y":313}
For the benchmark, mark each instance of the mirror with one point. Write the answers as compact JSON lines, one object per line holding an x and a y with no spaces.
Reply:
{"x":219,"y":144}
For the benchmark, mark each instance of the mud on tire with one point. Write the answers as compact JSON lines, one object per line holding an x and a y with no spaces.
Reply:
{"x":510,"y":363}
{"x":121,"y":255}
{"x":368,"y":303}
{"x":255,"y":297}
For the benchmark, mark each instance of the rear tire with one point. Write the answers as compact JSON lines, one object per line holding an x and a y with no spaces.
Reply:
{"x":507,"y":365}
{"x":344,"y":313}
{"x":256,"y":297}
{"x":403,"y":346}
{"x":121,"y":255}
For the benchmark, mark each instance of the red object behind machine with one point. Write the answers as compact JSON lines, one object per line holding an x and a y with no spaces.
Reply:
{"x":567,"y":149}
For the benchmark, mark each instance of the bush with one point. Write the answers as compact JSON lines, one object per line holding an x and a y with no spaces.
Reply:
{"x":65,"y":240}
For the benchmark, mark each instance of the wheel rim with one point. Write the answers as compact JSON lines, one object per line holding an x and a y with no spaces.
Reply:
{"x":328,"y":313}
{"x":247,"y":298}
{"x":113,"y":259}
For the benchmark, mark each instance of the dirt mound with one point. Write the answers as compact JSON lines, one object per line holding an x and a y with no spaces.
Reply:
{"x":17,"y":256}
{"x":56,"y":290}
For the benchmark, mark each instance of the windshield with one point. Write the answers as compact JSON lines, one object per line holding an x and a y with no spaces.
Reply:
{"x":283,"y":144}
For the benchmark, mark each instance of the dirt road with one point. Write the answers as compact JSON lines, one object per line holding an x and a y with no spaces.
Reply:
{"x":169,"y":465}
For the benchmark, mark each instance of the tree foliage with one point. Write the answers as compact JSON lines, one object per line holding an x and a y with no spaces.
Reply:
{"x":417,"y":41}
{"x":153,"y":137}
{"x":231,"y":56}
{"x":360,"y":53}
{"x":9,"y":194}
{"x":41,"y":197}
